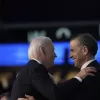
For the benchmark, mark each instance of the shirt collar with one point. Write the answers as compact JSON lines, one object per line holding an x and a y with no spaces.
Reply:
{"x":87,"y":63}
{"x":36,"y":60}
{"x":48,"y":73}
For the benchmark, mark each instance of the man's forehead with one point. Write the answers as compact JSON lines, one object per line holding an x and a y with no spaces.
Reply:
{"x":74,"y":42}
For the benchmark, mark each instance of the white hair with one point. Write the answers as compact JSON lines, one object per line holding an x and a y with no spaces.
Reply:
{"x":36,"y":43}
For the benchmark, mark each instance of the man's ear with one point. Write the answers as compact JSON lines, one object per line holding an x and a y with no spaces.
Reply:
{"x":42,"y":51}
{"x":85,"y":50}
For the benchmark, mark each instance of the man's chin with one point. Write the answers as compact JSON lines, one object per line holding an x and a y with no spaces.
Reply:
{"x":50,"y":66}
{"x":76,"y":66}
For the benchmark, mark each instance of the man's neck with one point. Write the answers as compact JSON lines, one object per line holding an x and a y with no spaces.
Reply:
{"x":36,"y":60}
{"x":87,"y":62}
{"x":87,"y":59}
{"x":39,"y":61}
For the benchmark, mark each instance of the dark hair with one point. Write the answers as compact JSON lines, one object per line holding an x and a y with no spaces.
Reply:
{"x":87,"y":40}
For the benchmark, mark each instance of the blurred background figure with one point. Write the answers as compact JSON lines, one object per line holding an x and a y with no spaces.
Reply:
{"x":21,"y":21}
{"x":5,"y":96}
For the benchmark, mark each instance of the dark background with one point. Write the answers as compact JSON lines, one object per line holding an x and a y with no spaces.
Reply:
{"x":18,"y":17}
{"x":49,"y":10}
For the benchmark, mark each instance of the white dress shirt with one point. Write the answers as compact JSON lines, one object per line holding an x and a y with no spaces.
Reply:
{"x":87,"y":63}
{"x":36,"y":60}
{"x":84,"y":66}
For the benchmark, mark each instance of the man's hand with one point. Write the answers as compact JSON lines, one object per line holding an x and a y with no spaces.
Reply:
{"x":27,"y":98}
{"x":85,"y":72}
{"x":22,"y":99}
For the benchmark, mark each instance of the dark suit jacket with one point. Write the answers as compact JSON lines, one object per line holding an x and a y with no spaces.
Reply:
{"x":34,"y":80}
{"x":90,"y":87}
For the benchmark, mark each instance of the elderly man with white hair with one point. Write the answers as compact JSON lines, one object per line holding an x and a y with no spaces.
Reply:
{"x":34,"y":79}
